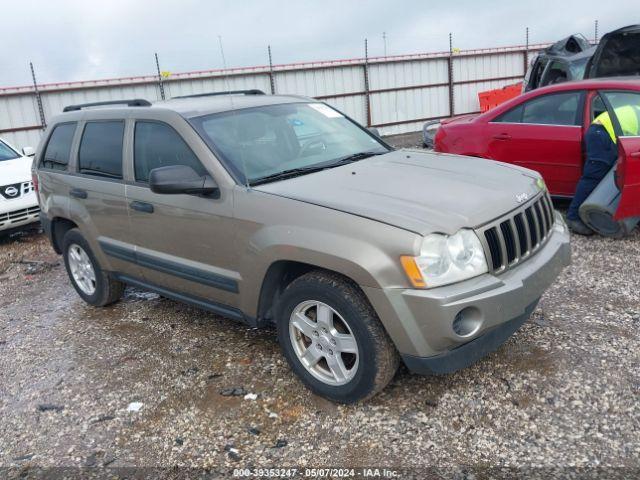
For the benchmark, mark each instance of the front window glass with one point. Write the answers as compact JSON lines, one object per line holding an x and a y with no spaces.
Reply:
{"x":553,"y":109}
{"x":7,"y":153}
{"x":273,"y":139}
{"x":626,"y":106}
{"x":158,"y":145}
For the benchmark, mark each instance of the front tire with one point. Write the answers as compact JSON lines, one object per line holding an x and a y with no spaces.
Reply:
{"x":92,"y":283}
{"x":333,"y":339}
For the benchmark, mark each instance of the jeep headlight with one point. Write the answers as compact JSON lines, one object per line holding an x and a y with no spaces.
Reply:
{"x":446,"y":259}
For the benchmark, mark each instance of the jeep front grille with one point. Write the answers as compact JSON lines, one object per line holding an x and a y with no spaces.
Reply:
{"x":516,"y":236}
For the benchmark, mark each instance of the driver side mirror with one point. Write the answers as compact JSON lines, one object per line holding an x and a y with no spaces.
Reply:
{"x":177,"y":179}
{"x":28,"y":151}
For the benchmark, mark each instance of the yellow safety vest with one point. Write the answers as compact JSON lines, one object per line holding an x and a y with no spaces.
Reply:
{"x":627,"y":118}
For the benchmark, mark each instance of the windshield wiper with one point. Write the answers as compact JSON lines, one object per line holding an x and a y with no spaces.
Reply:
{"x":294,"y":172}
{"x":354,"y":157}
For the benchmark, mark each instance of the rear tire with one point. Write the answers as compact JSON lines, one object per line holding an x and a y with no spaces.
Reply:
{"x":93,"y":284}
{"x":344,"y":353}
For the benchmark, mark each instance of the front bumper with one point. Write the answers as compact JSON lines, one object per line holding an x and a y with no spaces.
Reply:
{"x":420,"y":322}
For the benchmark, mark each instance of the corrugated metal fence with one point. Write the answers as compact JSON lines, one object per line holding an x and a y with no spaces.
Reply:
{"x":396,"y":94}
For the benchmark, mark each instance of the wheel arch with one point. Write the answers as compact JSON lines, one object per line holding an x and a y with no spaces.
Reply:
{"x":59,"y":227}
{"x":279,"y":275}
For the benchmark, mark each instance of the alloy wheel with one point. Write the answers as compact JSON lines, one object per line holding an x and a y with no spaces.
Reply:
{"x":324,"y":342}
{"x":82,"y":269}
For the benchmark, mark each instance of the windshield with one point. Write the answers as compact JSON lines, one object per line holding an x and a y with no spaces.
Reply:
{"x":265,"y":141}
{"x":578,"y":67}
{"x":7,"y":153}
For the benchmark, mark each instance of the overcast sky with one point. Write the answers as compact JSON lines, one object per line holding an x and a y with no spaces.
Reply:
{"x":84,"y":40}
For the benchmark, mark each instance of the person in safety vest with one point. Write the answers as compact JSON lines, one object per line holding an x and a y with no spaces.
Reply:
{"x":602,"y":153}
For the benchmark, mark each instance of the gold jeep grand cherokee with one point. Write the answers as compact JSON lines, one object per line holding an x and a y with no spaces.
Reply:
{"x":281,"y":210}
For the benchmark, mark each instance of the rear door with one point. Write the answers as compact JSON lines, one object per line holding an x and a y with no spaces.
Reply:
{"x":543,"y":134}
{"x":97,"y":200}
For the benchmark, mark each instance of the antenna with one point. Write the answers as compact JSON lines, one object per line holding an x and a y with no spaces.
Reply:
{"x":384,"y":41}
{"x":224,"y":63}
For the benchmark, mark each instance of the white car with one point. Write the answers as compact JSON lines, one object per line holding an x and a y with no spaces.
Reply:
{"x":18,"y":199}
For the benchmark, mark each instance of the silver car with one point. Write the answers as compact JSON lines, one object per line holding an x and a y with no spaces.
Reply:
{"x":280,"y":210}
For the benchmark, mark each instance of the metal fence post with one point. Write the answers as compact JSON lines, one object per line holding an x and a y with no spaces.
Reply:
{"x":452,"y":107}
{"x":159,"y":78}
{"x":272,"y":81}
{"x":366,"y":83}
{"x":526,"y":52}
{"x":43,"y":121}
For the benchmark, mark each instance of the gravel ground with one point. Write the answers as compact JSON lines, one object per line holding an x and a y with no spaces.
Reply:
{"x":562,"y":392}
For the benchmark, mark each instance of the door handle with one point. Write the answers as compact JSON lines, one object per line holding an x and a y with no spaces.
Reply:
{"x":141,"y":206}
{"x":78,"y":193}
{"x":502,"y":136}
{"x":635,"y":155}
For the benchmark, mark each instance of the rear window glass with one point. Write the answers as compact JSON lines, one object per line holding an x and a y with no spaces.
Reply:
{"x":56,"y":155}
{"x":512,"y":116}
{"x":101,"y":149}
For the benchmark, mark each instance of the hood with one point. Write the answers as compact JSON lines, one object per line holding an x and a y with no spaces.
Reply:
{"x":416,"y":191}
{"x":460,"y":119}
{"x":618,"y":54}
{"x":15,"y":171}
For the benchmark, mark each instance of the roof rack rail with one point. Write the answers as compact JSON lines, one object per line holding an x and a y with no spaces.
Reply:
{"x":136,"y":102}
{"x":254,"y":91}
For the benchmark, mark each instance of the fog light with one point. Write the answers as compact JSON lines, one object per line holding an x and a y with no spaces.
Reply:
{"x":467,"y":322}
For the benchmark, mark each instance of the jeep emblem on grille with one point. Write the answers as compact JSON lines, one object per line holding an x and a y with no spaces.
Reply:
{"x":11,"y":191}
{"x":521,"y":197}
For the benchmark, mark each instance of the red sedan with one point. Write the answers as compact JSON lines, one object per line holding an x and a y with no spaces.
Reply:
{"x":544,"y":129}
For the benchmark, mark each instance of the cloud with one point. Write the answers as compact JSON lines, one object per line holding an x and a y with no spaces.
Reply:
{"x":79,"y":40}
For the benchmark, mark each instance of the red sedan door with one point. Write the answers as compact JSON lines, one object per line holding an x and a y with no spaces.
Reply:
{"x":628,"y":177}
{"x":543,"y":134}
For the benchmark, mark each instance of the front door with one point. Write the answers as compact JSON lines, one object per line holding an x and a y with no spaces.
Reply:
{"x":624,"y":110}
{"x":628,"y":177}
{"x":184,"y":243}
{"x":543,"y":134}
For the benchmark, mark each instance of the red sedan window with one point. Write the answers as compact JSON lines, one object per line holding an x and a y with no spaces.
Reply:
{"x":552,"y":109}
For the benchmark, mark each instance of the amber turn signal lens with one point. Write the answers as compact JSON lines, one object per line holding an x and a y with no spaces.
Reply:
{"x":412,"y":271}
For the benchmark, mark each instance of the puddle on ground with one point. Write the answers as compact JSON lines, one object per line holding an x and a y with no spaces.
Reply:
{"x":134,"y":294}
{"x":523,"y":358}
